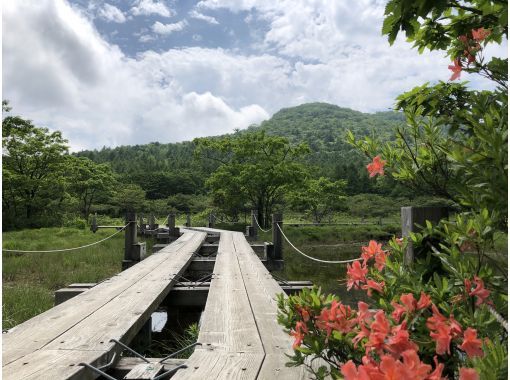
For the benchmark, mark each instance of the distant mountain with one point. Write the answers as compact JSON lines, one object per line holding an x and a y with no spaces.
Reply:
{"x":322,"y":126}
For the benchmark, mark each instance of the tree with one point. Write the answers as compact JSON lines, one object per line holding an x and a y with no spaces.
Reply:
{"x":441,"y":316}
{"x":455,"y":142}
{"x":318,"y":197}
{"x":88,"y":181}
{"x":32,"y":167}
{"x":130,"y":197}
{"x":254,"y":168}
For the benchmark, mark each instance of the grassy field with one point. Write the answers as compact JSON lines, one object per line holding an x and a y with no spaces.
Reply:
{"x":29,"y":279}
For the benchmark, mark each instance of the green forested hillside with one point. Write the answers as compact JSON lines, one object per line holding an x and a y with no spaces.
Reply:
{"x":322,"y":126}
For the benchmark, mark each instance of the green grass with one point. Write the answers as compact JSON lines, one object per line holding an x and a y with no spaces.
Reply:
{"x":30,"y":279}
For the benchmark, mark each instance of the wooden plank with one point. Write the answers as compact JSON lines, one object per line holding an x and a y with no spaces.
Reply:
{"x":144,"y":371}
{"x":125,"y":314}
{"x":35,"y":333}
{"x":53,"y":364}
{"x":231,"y":346}
{"x":130,"y":298}
{"x":262,"y":290}
{"x":221,"y":366}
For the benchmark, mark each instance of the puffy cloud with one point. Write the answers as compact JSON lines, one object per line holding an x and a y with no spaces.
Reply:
{"x":69,"y":78}
{"x":201,"y":16}
{"x":111,"y":13}
{"x":76,"y":82}
{"x":166,"y":29}
{"x":149,"y":7}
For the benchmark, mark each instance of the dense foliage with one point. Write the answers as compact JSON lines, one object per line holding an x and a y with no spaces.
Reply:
{"x":255,"y":171}
{"x":444,"y":315}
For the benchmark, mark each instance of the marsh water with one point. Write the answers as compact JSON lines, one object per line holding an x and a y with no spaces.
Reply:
{"x":330,"y":277}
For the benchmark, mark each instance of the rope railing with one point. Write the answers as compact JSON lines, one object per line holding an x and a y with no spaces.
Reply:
{"x":68,"y":249}
{"x":257,"y":222}
{"x":314,"y":258}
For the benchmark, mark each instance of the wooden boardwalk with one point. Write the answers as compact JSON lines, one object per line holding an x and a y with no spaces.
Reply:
{"x":239,"y":335}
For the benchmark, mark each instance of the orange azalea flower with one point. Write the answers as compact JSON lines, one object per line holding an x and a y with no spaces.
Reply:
{"x":376,"y":166}
{"x":337,"y":317}
{"x":424,"y":301}
{"x":479,"y":291}
{"x":364,"y":314}
{"x":373,"y":249}
{"x":413,"y":364}
{"x":442,"y":330}
{"x":468,"y":374}
{"x":471,"y":345}
{"x":356,"y":274}
{"x":438,"y":371}
{"x":371,"y":284}
{"x":399,"y":342}
{"x":304,"y":312}
{"x":443,"y":339}
{"x":298,"y":333}
{"x":380,"y":261}
{"x":408,"y":301}
{"x":456,"y":69}
{"x":480,"y":34}
{"x":351,"y":373}
{"x":380,"y":329}
{"x":398,"y":311}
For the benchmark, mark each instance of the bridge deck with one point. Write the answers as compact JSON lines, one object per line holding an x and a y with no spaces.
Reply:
{"x":51,"y":345}
{"x":239,"y":333}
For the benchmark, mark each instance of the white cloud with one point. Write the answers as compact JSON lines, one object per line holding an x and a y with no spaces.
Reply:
{"x":149,"y":7}
{"x":201,"y":16}
{"x":111,"y":13}
{"x":166,"y":29}
{"x":77,"y":82}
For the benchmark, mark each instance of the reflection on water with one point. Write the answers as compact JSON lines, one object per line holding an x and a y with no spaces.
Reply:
{"x":159,"y":319}
{"x":330,"y":277}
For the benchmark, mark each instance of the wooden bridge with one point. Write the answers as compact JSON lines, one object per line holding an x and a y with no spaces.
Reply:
{"x":239,"y":336}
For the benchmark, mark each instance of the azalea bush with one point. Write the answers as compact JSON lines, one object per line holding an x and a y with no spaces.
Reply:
{"x":444,"y":316}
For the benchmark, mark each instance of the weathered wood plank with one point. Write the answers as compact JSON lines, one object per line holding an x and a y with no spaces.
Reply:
{"x":231,"y":346}
{"x":35,"y":333}
{"x":262,"y":290}
{"x":116,"y":308}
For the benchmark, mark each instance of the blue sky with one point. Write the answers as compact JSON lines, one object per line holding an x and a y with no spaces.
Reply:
{"x":114,"y":72}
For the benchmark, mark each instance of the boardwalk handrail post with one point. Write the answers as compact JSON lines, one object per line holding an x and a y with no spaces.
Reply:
{"x":210,"y":223}
{"x":188,"y":219}
{"x":133,"y":251}
{"x":172,"y":230}
{"x":129,"y":235}
{"x":277,"y":236}
{"x":413,"y":216}
{"x":93,"y":226}
{"x":152,"y":222}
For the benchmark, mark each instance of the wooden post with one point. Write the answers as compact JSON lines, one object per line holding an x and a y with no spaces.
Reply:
{"x":210,"y":223}
{"x":188,"y":219}
{"x":411,"y":216}
{"x":277,"y":236}
{"x":93,"y":227}
{"x":172,"y":230}
{"x":152,"y":222}
{"x":129,"y":235}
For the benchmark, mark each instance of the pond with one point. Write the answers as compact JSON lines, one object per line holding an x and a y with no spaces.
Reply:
{"x":330,"y":277}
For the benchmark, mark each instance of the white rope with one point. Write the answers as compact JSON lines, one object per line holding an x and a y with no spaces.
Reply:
{"x":498,"y":317}
{"x":256,"y":221}
{"x":313,"y":258}
{"x":164,"y":221}
{"x":68,"y":249}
